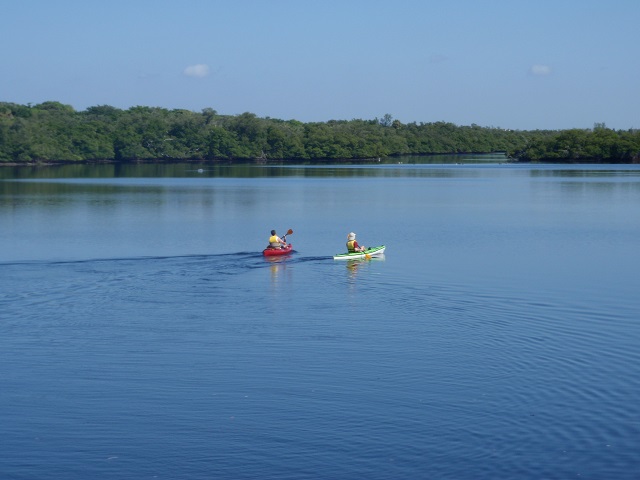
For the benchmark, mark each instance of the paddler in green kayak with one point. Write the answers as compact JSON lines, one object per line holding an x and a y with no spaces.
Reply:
{"x":352,"y":245}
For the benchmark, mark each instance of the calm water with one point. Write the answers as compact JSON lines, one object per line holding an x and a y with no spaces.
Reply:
{"x":143,"y":335}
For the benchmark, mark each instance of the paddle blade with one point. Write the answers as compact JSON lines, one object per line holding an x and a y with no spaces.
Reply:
{"x":289,"y":232}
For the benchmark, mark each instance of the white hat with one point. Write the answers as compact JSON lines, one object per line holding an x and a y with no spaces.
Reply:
{"x":351,"y":236}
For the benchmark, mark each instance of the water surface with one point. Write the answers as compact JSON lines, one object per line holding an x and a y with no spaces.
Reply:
{"x":143,"y":335}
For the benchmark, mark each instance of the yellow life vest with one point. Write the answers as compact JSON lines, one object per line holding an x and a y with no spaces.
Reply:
{"x":273,"y":241}
{"x":350,"y":246}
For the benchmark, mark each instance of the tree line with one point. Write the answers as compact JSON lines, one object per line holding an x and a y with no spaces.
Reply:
{"x":54,"y":132}
{"x":597,"y":145}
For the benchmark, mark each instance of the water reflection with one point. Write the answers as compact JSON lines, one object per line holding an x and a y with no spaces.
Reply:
{"x":397,"y":166}
{"x":277,"y":268}
{"x":434,"y":166}
{"x":354,"y":266}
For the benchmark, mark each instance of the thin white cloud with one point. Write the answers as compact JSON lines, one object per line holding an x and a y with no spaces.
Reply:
{"x":199,"y":70}
{"x":438,"y":58}
{"x":540,"y":70}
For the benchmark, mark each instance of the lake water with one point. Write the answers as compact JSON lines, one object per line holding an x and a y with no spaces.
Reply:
{"x":143,"y":335}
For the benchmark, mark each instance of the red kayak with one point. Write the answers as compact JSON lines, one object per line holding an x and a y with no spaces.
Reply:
{"x":272,"y":252}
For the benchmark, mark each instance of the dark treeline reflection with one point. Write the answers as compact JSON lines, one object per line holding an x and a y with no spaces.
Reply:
{"x":240,"y":170}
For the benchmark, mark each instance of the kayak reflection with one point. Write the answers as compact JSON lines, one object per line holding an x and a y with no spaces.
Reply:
{"x":354,"y":265}
{"x":277,"y":267}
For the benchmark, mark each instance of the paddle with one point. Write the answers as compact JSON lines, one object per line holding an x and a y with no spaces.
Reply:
{"x":289,"y":232}
{"x":366,"y":255}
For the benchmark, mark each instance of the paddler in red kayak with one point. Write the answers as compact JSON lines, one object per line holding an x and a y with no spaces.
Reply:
{"x":275,"y":241}
{"x":352,"y":245}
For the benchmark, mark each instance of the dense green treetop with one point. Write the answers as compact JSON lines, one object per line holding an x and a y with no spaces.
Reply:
{"x":52,"y":131}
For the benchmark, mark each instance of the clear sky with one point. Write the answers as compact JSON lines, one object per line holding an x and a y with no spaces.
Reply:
{"x":518,"y":64}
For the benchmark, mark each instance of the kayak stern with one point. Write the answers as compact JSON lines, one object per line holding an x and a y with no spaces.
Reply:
{"x":273,"y":252}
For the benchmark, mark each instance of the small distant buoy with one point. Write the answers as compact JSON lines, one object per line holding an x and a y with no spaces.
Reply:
{"x":200,"y":170}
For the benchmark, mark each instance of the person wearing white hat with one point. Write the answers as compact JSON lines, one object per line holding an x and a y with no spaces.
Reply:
{"x":352,"y":245}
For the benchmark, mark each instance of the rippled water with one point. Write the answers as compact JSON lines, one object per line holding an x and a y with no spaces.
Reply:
{"x":142,"y":334}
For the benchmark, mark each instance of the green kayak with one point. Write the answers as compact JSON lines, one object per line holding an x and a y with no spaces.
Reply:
{"x":368,"y":253}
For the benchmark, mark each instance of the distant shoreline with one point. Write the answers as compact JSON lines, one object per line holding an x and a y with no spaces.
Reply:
{"x":241,"y":161}
{"x":291,"y":161}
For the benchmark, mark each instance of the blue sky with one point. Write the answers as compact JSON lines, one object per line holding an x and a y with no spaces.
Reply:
{"x":512,"y":64}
